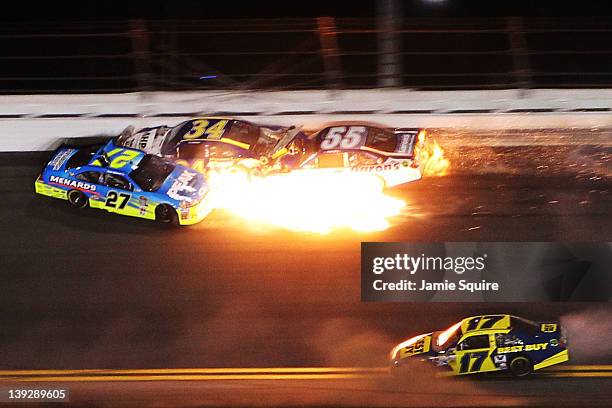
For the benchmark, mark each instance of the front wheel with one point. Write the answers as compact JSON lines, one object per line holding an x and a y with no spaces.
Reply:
{"x":520,"y":366}
{"x":78,"y":199}
{"x":165,"y":214}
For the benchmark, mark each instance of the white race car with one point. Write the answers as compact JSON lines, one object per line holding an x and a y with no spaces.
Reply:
{"x":387,"y":153}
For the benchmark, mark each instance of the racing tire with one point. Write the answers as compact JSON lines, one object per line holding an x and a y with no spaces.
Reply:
{"x":78,"y":199}
{"x":521,"y":366}
{"x":165,"y":214}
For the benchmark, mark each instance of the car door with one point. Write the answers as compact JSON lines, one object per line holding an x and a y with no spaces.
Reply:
{"x":474,"y":354}
{"x":119,"y":191}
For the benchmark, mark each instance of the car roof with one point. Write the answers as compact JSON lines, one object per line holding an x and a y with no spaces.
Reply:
{"x":117,"y":166}
{"x":486,"y":323}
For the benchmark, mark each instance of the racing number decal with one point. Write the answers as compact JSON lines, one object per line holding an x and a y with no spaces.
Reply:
{"x":345,"y":139}
{"x":415,"y":348}
{"x":483,"y":323}
{"x":112,"y":198}
{"x":118,"y":158}
{"x":479,"y":358}
{"x":200,"y":127}
{"x":122,"y":158}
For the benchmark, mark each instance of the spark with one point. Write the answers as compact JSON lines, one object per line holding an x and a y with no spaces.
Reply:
{"x":307,"y":202}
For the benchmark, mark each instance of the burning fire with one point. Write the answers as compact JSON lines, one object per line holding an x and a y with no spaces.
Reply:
{"x":431,"y":156}
{"x":318,"y":200}
{"x":446,"y":334}
{"x":307,"y":201}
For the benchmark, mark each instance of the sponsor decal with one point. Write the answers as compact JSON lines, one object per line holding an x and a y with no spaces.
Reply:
{"x":61,"y":158}
{"x":527,"y":347}
{"x":498,"y":359}
{"x":81,"y":185}
{"x":554,"y":342}
{"x":181,"y":184}
{"x":144,"y":140}
{"x":404,"y":144}
{"x":143,"y":203}
{"x":379,"y":167}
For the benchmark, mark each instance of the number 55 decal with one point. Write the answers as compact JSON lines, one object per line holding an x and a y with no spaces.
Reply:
{"x":345,"y":139}
{"x":112,"y":197}
{"x":478,"y":356}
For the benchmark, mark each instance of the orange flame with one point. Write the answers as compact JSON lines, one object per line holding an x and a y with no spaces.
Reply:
{"x":446,"y":334}
{"x":307,"y":201}
{"x":431,"y":156}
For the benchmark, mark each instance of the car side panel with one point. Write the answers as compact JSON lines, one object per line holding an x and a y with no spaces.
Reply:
{"x":474,"y":360}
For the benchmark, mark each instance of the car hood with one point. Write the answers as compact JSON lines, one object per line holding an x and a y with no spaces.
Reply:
{"x":416,"y":345}
{"x":184,"y":184}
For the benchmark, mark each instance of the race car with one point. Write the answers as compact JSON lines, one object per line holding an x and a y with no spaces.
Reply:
{"x":387,"y":153}
{"x":213,"y":143}
{"x":487,"y":343}
{"x":126,"y":181}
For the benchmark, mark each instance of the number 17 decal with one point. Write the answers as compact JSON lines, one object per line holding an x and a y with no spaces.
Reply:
{"x":464,"y":363}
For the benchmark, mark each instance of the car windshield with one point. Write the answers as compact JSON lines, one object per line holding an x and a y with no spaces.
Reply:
{"x":524,"y":324}
{"x":82,"y":157}
{"x":151,"y":172}
{"x":174,"y":137}
{"x":382,"y":139}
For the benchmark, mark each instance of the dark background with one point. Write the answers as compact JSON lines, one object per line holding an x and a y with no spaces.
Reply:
{"x":194,"y":9}
{"x":115,"y":46}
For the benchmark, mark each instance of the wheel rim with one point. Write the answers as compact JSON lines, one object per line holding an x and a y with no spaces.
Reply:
{"x":78,"y":199}
{"x":164,"y":214}
{"x":521,"y":366}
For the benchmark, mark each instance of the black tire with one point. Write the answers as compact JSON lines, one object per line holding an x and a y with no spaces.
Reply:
{"x":78,"y":199}
{"x":521,"y":366}
{"x":165,"y":214}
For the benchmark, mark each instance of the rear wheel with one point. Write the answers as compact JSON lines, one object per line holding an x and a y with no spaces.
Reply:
{"x":78,"y":199}
{"x":165,"y":214}
{"x":521,"y":366}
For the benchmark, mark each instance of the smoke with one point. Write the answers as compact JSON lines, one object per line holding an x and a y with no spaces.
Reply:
{"x":346,"y":342}
{"x":589,"y":332}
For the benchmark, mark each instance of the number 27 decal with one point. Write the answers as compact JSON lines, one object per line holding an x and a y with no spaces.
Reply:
{"x":112,"y":198}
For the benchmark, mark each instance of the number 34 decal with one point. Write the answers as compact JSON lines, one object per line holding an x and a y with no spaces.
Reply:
{"x":113,"y":197}
{"x":344,"y":138}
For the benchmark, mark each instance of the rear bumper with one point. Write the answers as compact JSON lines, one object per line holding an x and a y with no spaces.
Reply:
{"x":558,"y":358}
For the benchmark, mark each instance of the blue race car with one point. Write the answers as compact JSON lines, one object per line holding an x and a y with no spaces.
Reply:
{"x":126,"y":181}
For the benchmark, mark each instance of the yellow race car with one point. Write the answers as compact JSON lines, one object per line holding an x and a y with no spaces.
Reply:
{"x":487,"y":343}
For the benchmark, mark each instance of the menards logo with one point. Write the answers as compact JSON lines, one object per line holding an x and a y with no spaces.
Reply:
{"x":72,"y":183}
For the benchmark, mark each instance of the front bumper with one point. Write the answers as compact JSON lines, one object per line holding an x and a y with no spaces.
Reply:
{"x":195,"y":214}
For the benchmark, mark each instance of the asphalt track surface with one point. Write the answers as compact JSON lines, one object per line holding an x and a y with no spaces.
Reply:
{"x":88,"y":289}
{"x":329,"y":386}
